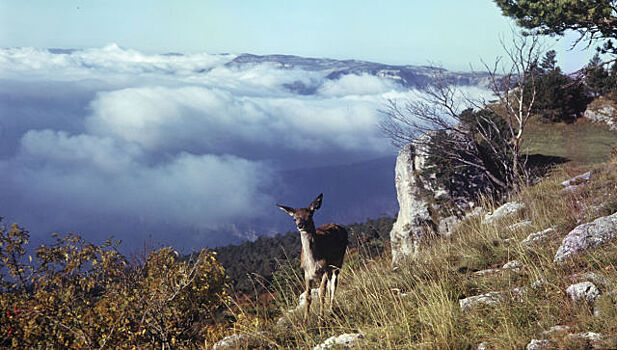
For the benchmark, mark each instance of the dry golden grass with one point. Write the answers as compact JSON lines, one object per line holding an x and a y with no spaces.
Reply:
{"x":416,"y":306}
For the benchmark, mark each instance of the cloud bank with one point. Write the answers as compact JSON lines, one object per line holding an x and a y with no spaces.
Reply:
{"x":177,"y":146}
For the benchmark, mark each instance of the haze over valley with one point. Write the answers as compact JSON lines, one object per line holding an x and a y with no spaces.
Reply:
{"x":194,"y":150}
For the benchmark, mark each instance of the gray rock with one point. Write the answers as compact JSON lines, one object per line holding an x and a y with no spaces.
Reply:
{"x":577,"y":179}
{"x":606,"y":114}
{"x":597,"y":279}
{"x":513,"y":265}
{"x":230,"y":342}
{"x":507,"y":209}
{"x":589,"y":336}
{"x":557,"y":329}
{"x":519,"y":225}
{"x":409,"y":230}
{"x":477,"y":211}
{"x":486,"y":272}
{"x":448,"y":225}
{"x":347,"y":340}
{"x":481,"y":346}
{"x":585,"y":236}
{"x":490,"y":298}
{"x":584,"y":291}
{"x":538,"y":283}
{"x":539,"y":236}
{"x":539,"y":344}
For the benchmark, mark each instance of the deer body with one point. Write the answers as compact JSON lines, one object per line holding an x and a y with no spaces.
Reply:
{"x":323,"y":251}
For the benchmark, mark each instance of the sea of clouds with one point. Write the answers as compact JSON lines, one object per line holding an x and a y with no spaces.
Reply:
{"x":186,"y":149}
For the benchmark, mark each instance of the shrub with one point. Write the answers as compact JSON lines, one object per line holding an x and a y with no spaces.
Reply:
{"x":75,"y":294}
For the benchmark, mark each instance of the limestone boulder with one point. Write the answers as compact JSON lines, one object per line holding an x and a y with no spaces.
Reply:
{"x":585,"y":236}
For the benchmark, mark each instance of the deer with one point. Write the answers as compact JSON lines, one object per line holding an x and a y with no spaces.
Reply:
{"x":323,"y":251}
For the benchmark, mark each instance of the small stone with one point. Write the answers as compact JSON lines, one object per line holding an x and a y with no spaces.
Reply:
{"x":557,"y":329}
{"x":538,"y":283}
{"x":513,"y":265}
{"x":538,"y":344}
{"x":302,"y":299}
{"x":507,"y":209}
{"x":481,"y":346}
{"x":486,"y":272}
{"x":577,"y":179}
{"x":539,"y":236}
{"x":230,"y":342}
{"x":589,"y":336}
{"x":347,"y":340}
{"x":584,"y":291}
{"x":519,"y":225}
{"x":490,"y":298}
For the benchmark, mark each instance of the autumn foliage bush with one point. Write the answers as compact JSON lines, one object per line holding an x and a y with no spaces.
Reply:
{"x":74,"y":294}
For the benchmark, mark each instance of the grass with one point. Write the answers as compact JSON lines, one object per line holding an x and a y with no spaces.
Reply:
{"x":581,"y":142}
{"x":416,"y":306}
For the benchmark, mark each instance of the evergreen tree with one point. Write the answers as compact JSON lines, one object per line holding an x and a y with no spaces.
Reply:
{"x":592,"y":19}
{"x":596,"y":77}
{"x":558,"y":96}
{"x":549,"y":62}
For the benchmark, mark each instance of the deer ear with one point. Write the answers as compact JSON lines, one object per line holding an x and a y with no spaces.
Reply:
{"x":316,"y":203}
{"x":288,"y":210}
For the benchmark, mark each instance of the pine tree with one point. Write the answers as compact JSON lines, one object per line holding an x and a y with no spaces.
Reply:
{"x":596,"y":77}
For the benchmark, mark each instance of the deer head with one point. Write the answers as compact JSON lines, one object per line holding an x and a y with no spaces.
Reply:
{"x":304,"y":216}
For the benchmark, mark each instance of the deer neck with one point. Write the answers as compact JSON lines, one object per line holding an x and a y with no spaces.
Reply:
{"x":307,"y":236}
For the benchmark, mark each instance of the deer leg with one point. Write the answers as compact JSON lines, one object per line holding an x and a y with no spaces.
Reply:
{"x":322,"y":294}
{"x":333,"y":283}
{"x":307,"y":293}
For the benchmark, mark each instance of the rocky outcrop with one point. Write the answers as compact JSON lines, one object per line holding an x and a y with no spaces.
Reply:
{"x":414,"y":218}
{"x":585,"y":236}
{"x":605,"y":113}
{"x":347,"y":340}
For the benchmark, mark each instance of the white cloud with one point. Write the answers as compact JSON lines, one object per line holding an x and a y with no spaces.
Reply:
{"x":103,"y":175}
{"x":189,"y":142}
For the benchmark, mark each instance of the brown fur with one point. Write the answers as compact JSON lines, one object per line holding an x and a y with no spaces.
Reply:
{"x":323,"y":252}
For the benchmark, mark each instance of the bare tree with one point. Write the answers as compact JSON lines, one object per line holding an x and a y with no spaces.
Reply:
{"x":474,"y":133}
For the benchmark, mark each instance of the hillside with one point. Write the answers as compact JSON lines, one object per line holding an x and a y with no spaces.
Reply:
{"x":417,"y":305}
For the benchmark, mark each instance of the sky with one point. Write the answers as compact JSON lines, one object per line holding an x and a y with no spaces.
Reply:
{"x":115,"y":137}
{"x":453,"y":34}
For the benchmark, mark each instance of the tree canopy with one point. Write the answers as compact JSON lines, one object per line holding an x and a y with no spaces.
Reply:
{"x":593,"y":19}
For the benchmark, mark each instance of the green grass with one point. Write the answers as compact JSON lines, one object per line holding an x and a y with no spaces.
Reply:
{"x":581,"y":142}
{"x":416,"y":306}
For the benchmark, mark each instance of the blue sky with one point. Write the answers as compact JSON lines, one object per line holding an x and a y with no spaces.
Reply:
{"x":445,"y":32}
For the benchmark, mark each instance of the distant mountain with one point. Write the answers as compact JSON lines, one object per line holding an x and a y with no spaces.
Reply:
{"x":408,"y":76}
